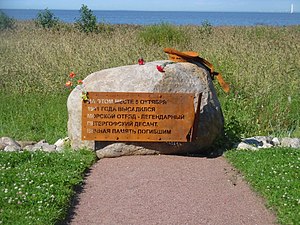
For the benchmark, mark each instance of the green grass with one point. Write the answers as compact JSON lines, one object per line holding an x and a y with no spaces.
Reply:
{"x":275,"y":174}
{"x":36,"y":187}
{"x":162,"y":34}
{"x":33,"y":116}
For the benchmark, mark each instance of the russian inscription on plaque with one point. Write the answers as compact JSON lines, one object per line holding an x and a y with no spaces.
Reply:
{"x":147,"y":117}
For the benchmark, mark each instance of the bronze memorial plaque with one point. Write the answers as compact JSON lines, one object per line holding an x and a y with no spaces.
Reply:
{"x":147,"y":117}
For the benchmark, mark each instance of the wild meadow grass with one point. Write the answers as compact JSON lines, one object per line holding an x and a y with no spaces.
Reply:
{"x":261,"y":63}
{"x":36,"y":187}
{"x":275,"y":174}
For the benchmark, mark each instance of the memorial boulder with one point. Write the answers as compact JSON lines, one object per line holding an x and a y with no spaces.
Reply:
{"x":172,"y":80}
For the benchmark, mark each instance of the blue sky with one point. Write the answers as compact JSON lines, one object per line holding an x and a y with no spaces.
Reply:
{"x":155,"y":5}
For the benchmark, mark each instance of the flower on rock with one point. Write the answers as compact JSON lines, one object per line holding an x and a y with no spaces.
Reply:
{"x":160,"y":68}
{"x":141,"y":61}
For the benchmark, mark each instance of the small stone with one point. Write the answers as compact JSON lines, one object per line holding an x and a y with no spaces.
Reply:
{"x":8,"y":141}
{"x":41,"y":142}
{"x":44,"y":146}
{"x":23,"y":144}
{"x":12,"y":148}
{"x":121,"y":149}
{"x":290,"y":142}
{"x":2,"y":146}
{"x":253,"y":142}
{"x":38,"y":146}
{"x":61,"y":143}
{"x":266,"y":145}
{"x":28,"y":148}
{"x":259,"y":141}
{"x":48,"y":148}
{"x":243,"y":146}
{"x":35,"y":148}
{"x":276,"y":141}
{"x":266,"y":139}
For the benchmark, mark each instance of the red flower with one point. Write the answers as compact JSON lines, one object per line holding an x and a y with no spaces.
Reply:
{"x":80,"y":81}
{"x":68,"y":84}
{"x":141,"y":61}
{"x":72,"y":75}
{"x":160,"y":68}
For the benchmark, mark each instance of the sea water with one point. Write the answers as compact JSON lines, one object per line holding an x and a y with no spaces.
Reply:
{"x":177,"y":18}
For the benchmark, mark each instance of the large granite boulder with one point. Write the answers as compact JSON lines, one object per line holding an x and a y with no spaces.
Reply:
{"x":177,"y":78}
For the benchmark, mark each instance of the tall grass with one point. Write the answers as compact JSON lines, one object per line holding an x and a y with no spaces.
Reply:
{"x":261,"y":63}
{"x":162,"y":34}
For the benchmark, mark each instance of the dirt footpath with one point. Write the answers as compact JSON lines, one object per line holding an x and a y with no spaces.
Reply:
{"x":167,"y":190}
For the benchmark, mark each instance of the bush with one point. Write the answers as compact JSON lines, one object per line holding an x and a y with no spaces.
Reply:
{"x":6,"y":22}
{"x":46,"y":19}
{"x":87,"y":22}
{"x":162,"y":34}
{"x":206,"y":27}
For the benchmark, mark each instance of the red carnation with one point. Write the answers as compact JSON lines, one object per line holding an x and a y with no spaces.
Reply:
{"x":160,"y":68}
{"x":141,"y":61}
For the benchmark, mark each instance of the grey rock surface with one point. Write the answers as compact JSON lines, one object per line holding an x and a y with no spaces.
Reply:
{"x":259,"y":142}
{"x":290,"y":142}
{"x":7,"y":141}
{"x":29,"y":148}
{"x":60,"y":143}
{"x":122,"y":149}
{"x":276,"y":141}
{"x":244,"y":146}
{"x":23,"y":144}
{"x":2,"y":146}
{"x":12,"y":148}
{"x":10,"y":145}
{"x":111,"y":149}
{"x":44,"y":146}
{"x":177,"y":78}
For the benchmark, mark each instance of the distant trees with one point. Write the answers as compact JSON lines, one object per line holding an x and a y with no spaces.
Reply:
{"x":46,"y":19}
{"x":87,"y":21}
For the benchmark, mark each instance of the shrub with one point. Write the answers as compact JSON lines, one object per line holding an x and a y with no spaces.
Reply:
{"x":46,"y":19}
{"x":162,"y":34}
{"x":87,"y":22}
{"x":206,"y":27}
{"x":6,"y":22}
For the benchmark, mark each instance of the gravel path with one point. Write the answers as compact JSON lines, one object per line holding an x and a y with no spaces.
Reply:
{"x":167,"y":190}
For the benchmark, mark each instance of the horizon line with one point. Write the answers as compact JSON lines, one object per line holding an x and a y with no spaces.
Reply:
{"x":139,"y":10}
